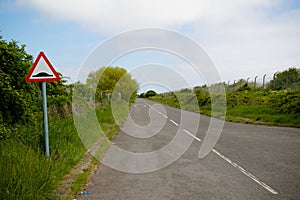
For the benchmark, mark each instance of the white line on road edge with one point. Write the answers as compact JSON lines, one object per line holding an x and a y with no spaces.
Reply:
{"x":165,"y":116}
{"x":264,"y":185}
{"x":198,"y":139}
{"x":174,"y":122}
{"x":153,"y":108}
{"x":241,"y":169}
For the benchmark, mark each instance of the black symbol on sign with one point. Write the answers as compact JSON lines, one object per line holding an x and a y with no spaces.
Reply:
{"x":43,"y":74}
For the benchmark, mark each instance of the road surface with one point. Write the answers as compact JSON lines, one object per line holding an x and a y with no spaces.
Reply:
{"x":248,"y":162}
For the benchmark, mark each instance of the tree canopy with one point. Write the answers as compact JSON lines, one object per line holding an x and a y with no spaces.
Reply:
{"x":150,"y":93}
{"x":16,"y":95}
{"x":112,"y":81}
{"x":289,"y":78}
{"x":20,"y":100}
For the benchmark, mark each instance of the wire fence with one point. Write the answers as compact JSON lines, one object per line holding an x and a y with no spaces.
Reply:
{"x":266,"y":81}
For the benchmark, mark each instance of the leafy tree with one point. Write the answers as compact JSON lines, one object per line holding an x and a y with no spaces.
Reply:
{"x":126,"y":87}
{"x":150,"y":93}
{"x":17,"y":96}
{"x":197,"y":89}
{"x":21,"y":101}
{"x":142,"y":95}
{"x":202,"y":95}
{"x":289,"y":78}
{"x":109,"y":80}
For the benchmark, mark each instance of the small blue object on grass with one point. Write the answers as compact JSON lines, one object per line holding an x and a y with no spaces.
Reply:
{"x":85,"y":192}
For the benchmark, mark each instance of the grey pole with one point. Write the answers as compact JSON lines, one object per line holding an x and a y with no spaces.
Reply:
{"x":248,"y":81}
{"x":255,"y":81}
{"x":44,"y":94}
{"x":233,"y":85}
{"x":264,"y":81}
{"x":274,"y":77}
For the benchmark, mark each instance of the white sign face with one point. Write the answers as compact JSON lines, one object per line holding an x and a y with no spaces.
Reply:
{"x":42,"y":70}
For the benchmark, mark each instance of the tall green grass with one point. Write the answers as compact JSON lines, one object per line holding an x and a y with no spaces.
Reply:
{"x":112,"y":117}
{"x":262,"y":114}
{"x":25,"y":171}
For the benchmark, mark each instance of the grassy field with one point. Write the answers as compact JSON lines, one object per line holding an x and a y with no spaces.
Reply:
{"x":276,"y":108}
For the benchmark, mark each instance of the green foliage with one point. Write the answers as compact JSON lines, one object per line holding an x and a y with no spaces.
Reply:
{"x":185,"y":90}
{"x":112,"y":81}
{"x":25,"y":172}
{"x":289,"y":78}
{"x":110,"y":117}
{"x":142,"y":95}
{"x":16,"y":95}
{"x":168,"y":98}
{"x":285,"y":101}
{"x":262,"y":114}
{"x":202,"y":96}
{"x":58,"y":98}
{"x":150,"y":93}
{"x":244,"y":105}
{"x":20,"y":101}
{"x":81,"y":94}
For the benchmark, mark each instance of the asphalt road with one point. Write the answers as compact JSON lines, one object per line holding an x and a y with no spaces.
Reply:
{"x":248,"y":162}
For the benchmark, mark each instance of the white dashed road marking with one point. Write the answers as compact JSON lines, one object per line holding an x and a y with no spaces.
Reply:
{"x":174,"y":122}
{"x":241,"y":169}
{"x":186,"y":131}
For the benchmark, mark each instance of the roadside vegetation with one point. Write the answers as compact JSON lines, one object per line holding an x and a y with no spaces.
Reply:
{"x":270,"y":106}
{"x":26,"y":173}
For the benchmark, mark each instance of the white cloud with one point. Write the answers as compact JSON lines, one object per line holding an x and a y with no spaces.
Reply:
{"x":107,"y":16}
{"x":244,"y":38}
{"x":254,"y":46}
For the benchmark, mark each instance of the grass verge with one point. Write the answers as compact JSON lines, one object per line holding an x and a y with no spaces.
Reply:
{"x":249,"y":114}
{"x":262,"y":114}
{"x":25,"y":171}
{"x":82,"y":178}
{"x":76,"y":181}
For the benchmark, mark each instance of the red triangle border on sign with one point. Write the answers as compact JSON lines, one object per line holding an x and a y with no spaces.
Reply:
{"x":28,"y":78}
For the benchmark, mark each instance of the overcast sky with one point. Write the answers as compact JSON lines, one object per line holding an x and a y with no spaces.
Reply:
{"x":244,"y":38}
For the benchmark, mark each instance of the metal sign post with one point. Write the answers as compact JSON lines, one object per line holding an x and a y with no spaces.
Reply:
{"x":44,"y":94}
{"x":43,"y":71}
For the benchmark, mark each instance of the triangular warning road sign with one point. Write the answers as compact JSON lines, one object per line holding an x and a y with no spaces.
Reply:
{"x":42,"y":70}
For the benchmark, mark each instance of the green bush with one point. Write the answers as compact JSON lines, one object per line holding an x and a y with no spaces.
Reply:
{"x":285,"y":101}
{"x":246,"y":105}
{"x":150,"y":93}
